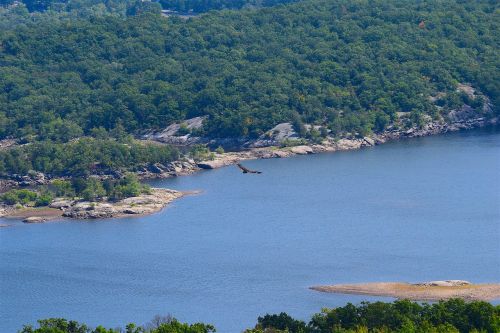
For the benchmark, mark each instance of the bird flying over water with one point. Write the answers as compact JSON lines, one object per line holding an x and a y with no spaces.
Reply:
{"x":245,"y":170}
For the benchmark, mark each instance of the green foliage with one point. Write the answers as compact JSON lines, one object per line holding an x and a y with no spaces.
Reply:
{"x":201,"y":153}
{"x":177,"y":327}
{"x":128,"y":186}
{"x":93,"y":190}
{"x":403,"y":316}
{"x":293,"y":142}
{"x":59,"y":325}
{"x":27,"y":197}
{"x":75,"y":6}
{"x":183,"y":130}
{"x":60,"y":130}
{"x":200,"y":6}
{"x":44,"y":199}
{"x":89,"y":189}
{"x":349,"y":65}
{"x":282,"y":323}
{"x":83,"y":157}
{"x":62,"y":188}
{"x":22,"y":196}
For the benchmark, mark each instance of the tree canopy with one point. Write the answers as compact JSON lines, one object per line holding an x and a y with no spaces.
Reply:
{"x":403,"y":316}
{"x":349,"y":65}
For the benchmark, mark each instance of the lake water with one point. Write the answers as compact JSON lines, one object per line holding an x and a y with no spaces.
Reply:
{"x":415,"y":210}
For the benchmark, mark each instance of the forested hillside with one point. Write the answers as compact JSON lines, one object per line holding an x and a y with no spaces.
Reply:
{"x":200,"y":6}
{"x":197,"y":6}
{"x":348,"y":64}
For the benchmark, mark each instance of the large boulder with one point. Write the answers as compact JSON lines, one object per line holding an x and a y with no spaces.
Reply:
{"x":34,"y":219}
{"x":213,"y":164}
{"x":87,"y":210}
{"x":369,"y":141}
{"x":61,"y":203}
{"x":348,"y":144}
{"x":301,"y":150}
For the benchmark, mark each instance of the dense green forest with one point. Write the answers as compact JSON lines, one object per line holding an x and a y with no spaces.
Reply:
{"x":200,"y":6}
{"x":90,"y":189}
{"x":453,"y":316}
{"x":66,"y":5}
{"x":83,"y":157}
{"x":350,"y":65}
{"x":197,"y":6}
{"x":18,"y":13}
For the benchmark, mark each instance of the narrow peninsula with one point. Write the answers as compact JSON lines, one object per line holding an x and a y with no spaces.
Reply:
{"x":427,"y":291}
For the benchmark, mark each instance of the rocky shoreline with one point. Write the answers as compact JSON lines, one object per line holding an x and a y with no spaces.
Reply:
{"x":144,"y":204}
{"x":159,"y":198}
{"x":189,"y":166}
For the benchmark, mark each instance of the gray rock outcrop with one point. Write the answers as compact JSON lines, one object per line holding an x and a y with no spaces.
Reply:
{"x":143,"y":204}
{"x":34,"y":219}
{"x":171,"y":134}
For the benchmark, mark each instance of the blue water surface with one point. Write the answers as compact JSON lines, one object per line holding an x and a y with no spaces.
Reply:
{"x":414,"y":210}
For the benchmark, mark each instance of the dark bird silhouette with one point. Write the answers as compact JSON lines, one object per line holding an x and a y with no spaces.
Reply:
{"x":245,"y":170}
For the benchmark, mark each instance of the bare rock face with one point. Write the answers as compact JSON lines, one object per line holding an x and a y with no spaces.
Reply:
{"x":34,"y":219}
{"x":171,"y":133}
{"x":142,"y":204}
{"x":444,"y":283}
{"x":171,"y":169}
{"x":301,"y":150}
{"x":4,"y":211}
{"x":369,"y":141}
{"x":136,"y":211}
{"x":61,"y":203}
{"x":467,"y":89}
{"x":348,"y":144}
{"x":464,"y":113}
{"x":212,"y":164}
{"x":283,"y":131}
{"x":223,"y":161}
{"x":90,"y":210}
{"x":275,"y":136}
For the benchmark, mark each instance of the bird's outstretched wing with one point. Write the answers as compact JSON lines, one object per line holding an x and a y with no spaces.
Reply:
{"x":245,"y":170}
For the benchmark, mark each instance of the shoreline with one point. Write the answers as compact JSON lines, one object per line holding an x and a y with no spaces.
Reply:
{"x":144,"y":205}
{"x":428,"y":291}
{"x":64,"y":208}
{"x":329,"y":144}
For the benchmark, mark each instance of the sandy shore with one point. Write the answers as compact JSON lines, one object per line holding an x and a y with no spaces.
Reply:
{"x":417,"y":292}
